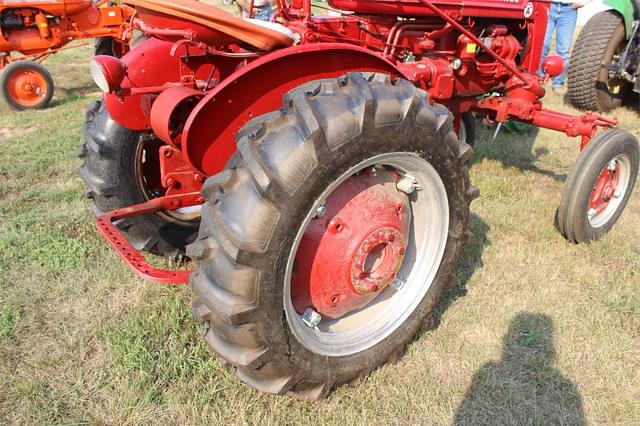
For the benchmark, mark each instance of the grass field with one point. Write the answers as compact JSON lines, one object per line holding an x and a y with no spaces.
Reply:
{"x":538,"y":330}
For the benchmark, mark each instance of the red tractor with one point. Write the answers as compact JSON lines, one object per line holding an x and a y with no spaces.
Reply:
{"x":35,"y":29}
{"x":316,"y":170}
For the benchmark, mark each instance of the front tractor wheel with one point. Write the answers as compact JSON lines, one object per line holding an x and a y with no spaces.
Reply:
{"x":26,"y":85}
{"x":326,"y":250}
{"x":599,"y":186}
{"x":121,"y":167}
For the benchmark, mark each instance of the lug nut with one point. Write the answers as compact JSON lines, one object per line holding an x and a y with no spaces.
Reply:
{"x":407,"y":184}
{"x":592,"y":213}
{"x":311,"y":318}
{"x":398,"y":283}
{"x":321,"y":210}
{"x":612,"y":165}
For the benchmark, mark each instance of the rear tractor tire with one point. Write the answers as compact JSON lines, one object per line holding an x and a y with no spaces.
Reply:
{"x":599,"y":186}
{"x":26,"y":85}
{"x":117,"y":48}
{"x":121,"y":168}
{"x":329,"y":246}
{"x":589,"y":85}
{"x":467,"y":132}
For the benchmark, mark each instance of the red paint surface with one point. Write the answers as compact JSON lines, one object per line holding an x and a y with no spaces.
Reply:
{"x":352,"y":253}
{"x":604,"y":189}
{"x":132,"y":257}
{"x":208,"y":140}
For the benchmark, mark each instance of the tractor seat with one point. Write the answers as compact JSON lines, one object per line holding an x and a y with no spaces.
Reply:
{"x":212,"y":25}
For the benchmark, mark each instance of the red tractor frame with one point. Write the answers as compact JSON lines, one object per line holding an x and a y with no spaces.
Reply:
{"x":316,"y":168}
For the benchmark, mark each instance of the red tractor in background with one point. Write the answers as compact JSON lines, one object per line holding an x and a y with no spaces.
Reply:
{"x":38,"y":28}
{"x":316,"y":168}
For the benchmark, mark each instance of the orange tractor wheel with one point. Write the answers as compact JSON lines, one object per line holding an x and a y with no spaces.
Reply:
{"x":26,"y":85}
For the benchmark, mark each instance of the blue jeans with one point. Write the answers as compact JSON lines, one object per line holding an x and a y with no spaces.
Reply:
{"x":262,"y":13}
{"x":562,"y":19}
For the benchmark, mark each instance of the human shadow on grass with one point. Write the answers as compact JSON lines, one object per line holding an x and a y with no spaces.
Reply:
{"x":523,"y":387}
{"x":512,"y":148}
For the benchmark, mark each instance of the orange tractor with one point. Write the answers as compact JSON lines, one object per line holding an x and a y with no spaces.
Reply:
{"x":36,"y":29}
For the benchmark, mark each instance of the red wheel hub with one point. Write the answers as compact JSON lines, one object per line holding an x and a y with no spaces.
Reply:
{"x":27,"y":87}
{"x":353,"y":251}
{"x":605,"y":188}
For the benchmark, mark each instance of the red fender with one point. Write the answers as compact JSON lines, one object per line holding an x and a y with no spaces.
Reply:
{"x":208,"y":140}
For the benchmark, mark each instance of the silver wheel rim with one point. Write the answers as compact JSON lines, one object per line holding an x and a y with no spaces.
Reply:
{"x":463,"y":131}
{"x":429,"y":229}
{"x":623,"y":164}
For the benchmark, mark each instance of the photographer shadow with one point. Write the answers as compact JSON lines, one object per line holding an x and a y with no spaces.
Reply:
{"x":524,"y":386}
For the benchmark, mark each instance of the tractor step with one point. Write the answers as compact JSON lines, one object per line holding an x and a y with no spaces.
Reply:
{"x":131,"y":256}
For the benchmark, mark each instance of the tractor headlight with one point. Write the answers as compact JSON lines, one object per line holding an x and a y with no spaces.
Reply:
{"x":107,"y":72}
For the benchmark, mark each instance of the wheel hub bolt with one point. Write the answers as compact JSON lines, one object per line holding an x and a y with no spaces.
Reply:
{"x":311,"y":318}
{"x":321,"y":210}
{"x":398,"y":283}
{"x":592,"y":213}
{"x":407,"y":184}
{"x":617,"y":194}
{"x":612,"y":165}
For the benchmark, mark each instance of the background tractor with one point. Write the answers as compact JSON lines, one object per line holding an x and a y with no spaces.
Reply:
{"x":603,"y":69}
{"x":316,"y":168}
{"x":36,"y":29}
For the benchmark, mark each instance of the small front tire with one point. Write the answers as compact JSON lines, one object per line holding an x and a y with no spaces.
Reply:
{"x":599,"y":186}
{"x":26,"y":85}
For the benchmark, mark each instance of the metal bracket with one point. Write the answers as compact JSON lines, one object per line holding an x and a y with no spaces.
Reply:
{"x":132,"y":257}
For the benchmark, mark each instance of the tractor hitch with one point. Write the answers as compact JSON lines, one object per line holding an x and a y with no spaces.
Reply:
{"x":131,"y":256}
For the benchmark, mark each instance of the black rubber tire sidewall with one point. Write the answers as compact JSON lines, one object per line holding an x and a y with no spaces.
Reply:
{"x":109,"y":171}
{"x":608,"y":101}
{"x":376,"y":142}
{"x":469,"y":121}
{"x":21,"y":65}
{"x":105,"y":46}
{"x":233,"y":330}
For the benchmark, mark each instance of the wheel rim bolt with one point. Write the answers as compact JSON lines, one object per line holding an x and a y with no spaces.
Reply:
{"x":398,"y":283}
{"x":592,"y":213}
{"x":321,"y":210}
{"x":617,"y":194}
{"x":407,"y":185}
{"x":311,"y":318}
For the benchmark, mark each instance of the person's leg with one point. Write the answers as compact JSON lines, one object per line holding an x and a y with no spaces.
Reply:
{"x":264,"y":14}
{"x":551,"y":25}
{"x":566,"y":25}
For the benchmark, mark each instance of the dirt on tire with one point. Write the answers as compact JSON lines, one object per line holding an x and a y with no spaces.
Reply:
{"x":587,"y":78}
{"x":252,"y":213}
{"x":112,"y":180}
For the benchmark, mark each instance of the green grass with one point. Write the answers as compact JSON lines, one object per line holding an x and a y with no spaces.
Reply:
{"x":537,"y":329}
